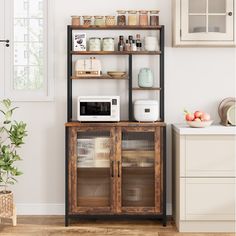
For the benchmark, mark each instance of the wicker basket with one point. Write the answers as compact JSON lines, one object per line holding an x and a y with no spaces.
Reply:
{"x":6,"y":204}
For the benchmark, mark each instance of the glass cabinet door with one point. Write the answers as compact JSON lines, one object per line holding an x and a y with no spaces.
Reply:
{"x":207,"y":19}
{"x":92,"y":169}
{"x":140,"y":162}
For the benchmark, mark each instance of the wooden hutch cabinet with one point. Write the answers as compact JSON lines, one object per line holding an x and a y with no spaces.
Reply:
{"x":116,"y":169}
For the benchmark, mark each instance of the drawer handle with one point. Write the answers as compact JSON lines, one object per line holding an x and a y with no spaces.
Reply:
{"x":118,"y":169}
{"x":112,"y":169}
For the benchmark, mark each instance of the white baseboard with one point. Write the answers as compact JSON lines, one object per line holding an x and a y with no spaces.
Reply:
{"x":50,"y":209}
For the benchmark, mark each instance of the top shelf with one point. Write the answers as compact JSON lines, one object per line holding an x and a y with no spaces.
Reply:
{"x":115,"y":27}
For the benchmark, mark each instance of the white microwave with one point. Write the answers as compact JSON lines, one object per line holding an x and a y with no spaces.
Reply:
{"x":98,"y":108}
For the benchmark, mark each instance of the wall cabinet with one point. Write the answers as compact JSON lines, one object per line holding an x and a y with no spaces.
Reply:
{"x":204,"y":23}
{"x":204,"y":179}
{"x":115,"y":169}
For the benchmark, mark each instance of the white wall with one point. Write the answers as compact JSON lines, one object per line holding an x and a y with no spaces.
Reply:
{"x":196,"y":78}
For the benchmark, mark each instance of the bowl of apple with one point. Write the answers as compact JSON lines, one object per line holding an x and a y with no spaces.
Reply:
{"x":198,"y":119}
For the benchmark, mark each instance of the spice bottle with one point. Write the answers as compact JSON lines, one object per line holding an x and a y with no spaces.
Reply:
{"x":138,"y":42}
{"x":127,"y":46}
{"x":130,"y":39}
{"x":133,"y":46}
{"x":121,"y":44}
{"x":121,"y":17}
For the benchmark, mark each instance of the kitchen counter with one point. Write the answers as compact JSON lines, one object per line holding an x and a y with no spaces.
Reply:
{"x":184,"y":129}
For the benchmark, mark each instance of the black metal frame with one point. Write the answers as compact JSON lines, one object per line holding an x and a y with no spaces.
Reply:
{"x":163,"y":216}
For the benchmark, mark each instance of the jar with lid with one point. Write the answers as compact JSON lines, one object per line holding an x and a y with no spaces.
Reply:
{"x":132,"y":18}
{"x":108,"y":44}
{"x":75,"y":20}
{"x":110,"y":20}
{"x":99,"y":20}
{"x":143,"y":17}
{"x":95,"y":44}
{"x":87,"y":20}
{"x":121,"y":17}
{"x":154,"y":18}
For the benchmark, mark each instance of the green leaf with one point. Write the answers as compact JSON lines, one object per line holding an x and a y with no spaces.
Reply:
{"x":7,"y":103}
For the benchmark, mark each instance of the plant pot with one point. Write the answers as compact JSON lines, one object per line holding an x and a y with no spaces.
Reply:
{"x":7,"y":207}
{"x":6,"y":204}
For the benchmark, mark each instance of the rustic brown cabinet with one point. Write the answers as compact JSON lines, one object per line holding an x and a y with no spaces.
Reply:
{"x":115,"y":168}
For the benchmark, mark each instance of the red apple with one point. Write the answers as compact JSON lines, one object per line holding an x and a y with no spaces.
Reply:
{"x":198,"y":114}
{"x":205,"y":117}
{"x":189,"y":117}
{"x":197,"y":119}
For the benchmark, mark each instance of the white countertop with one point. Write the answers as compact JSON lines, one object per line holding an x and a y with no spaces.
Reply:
{"x":184,"y":129}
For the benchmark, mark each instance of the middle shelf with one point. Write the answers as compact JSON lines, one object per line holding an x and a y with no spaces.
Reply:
{"x":115,"y":52}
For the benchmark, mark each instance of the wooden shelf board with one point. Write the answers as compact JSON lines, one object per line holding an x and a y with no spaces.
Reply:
{"x":74,"y":123}
{"x":115,"y":53}
{"x":98,"y":77}
{"x":146,"y":88}
{"x":115,"y":27}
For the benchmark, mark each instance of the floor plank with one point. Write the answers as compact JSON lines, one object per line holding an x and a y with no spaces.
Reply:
{"x":54,"y":226}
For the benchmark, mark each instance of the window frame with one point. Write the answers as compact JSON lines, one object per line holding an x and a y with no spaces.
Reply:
{"x":47,"y":92}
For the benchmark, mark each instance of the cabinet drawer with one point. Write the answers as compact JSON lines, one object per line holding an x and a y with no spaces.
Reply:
{"x":207,"y":198}
{"x":209,"y":155}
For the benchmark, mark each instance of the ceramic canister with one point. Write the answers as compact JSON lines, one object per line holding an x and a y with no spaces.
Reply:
{"x":145,"y":78}
{"x":95,"y":44}
{"x":108,"y":44}
{"x":151,"y":43}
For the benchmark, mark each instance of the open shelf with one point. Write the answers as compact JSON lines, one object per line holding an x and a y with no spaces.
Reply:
{"x":105,"y":77}
{"x":115,"y":53}
{"x":154,"y":88}
{"x":115,"y":27}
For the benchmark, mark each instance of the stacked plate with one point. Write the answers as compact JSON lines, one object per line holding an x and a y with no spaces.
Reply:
{"x":117,"y":74}
{"x":227,"y":111}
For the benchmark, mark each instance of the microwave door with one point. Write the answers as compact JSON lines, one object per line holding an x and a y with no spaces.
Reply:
{"x":95,"y":108}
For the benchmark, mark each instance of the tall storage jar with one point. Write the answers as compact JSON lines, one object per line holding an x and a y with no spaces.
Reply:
{"x":154,"y":18}
{"x":75,"y":20}
{"x":87,"y":20}
{"x":110,"y":20}
{"x":143,"y":18}
{"x":121,"y":17}
{"x":132,"y":18}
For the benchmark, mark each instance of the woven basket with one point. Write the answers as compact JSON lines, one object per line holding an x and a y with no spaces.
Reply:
{"x":6,"y":204}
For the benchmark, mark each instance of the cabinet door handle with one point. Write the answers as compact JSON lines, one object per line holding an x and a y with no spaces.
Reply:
{"x":112,"y":169}
{"x":118,"y":169}
{"x":230,"y":13}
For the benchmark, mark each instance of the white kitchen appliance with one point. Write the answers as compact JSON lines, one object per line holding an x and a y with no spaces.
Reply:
{"x":98,"y":108}
{"x":146,"y":110}
{"x":88,"y":67}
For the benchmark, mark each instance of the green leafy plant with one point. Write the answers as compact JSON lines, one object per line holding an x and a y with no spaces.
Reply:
{"x":12,"y":134}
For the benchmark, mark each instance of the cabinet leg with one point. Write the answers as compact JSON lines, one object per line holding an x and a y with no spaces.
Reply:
{"x":66,"y":221}
{"x":164,"y":221}
{"x":14,"y":221}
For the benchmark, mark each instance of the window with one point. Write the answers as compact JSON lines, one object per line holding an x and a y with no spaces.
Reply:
{"x":28,"y":70}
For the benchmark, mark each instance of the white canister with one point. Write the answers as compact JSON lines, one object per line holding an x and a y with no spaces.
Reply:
{"x":94,"y":44}
{"x":108,"y":44}
{"x":151,"y":43}
{"x":146,"y":110}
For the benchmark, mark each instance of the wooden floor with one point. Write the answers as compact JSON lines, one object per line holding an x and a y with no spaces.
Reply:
{"x":54,"y":226}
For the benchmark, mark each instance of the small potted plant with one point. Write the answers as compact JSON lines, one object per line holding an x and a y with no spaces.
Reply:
{"x":12,"y":134}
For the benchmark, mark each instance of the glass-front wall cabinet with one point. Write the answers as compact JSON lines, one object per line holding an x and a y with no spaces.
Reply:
{"x":92,"y":169}
{"x":205,"y":21}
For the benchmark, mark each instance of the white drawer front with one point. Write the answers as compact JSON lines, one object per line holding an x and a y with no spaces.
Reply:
{"x":208,"y":198}
{"x":209,"y":155}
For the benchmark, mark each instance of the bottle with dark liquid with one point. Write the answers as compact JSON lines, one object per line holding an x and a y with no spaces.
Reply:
{"x":121,"y":44}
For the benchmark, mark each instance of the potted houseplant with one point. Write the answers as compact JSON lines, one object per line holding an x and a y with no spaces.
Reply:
{"x":12,"y":134}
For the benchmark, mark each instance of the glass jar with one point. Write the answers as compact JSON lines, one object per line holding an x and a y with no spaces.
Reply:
{"x":110,"y":20}
{"x":154,"y":18}
{"x":87,"y":20}
{"x":95,"y":44}
{"x":143,"y":17}
{"x":132,"y":18}
{"x":108,"y":44}
{"x":121,"y":17}
{"x":99,"y":20}
{"x":75,"y":20}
